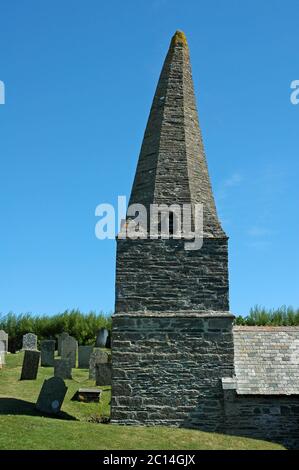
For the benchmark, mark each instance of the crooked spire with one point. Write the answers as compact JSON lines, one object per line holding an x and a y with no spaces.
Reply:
{"x":172,"y":167}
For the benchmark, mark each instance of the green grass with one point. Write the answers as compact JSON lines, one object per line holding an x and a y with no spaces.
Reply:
{"x":24,"y":428}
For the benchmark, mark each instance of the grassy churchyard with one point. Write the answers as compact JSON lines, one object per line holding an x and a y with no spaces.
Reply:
{"x":79,"y":427}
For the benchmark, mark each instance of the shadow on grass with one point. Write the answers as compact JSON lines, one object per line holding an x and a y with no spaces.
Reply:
{"x":252,"y":434}
{"x":14,"y":406}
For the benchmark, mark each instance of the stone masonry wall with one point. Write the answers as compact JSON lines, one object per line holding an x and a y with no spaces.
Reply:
{"x":167,"y":369}
{"x":269,"y":417}
{"x":160,"y":275}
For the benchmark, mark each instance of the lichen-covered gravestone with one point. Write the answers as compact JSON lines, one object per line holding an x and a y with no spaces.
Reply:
{"x":47,"y":350}
{"x":4,"y":338}
{"x":30,"y":365}
{"x":51,"y":396}
{"x":62,"y":368}
{"x":103,"y":374}
{"x":60,"y":338}
{"x":69,"y":348}
{"x":29,"y":342}
{"x":97,"y":357}
{"x":102,"y":338}
{"x":84,"y":353}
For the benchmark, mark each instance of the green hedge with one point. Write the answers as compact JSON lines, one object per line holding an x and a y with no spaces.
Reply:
{"x":260,"y":316}
{"x":82,"y":326}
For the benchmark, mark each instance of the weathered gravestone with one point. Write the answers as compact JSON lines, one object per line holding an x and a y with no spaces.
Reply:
{"x":108,"y":341}
{"x":84,"y":353}
{"x":103,"y":374}
{"x":2,"y":352}
{"x":4,"y":338}
{"x":30,"y":365}
{"x":102,"y":338}
{"x":60,"y":338}
{"x":51,"y":396}
{"x":47,"y":350}
{"x":29,"y":342}
{"x":97,"y":357}
{"x":69,"y":348}
{"x":62,"y":368}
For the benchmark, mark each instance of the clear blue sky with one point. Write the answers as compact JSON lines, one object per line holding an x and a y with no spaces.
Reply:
{"x":80,"y":77}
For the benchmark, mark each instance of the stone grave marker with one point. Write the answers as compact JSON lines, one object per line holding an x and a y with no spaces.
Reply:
{"x":51,"y":396}
{"x":29,"y":342}
{"x":87,"y":395}
{"x":102,"y":338}
{"x":60,"y":338}
{"x":108,"y":341}
{"x":2,"y":353}
{"x":69,"y":348}
{"x":84,"y":353}
{"x":97,"y":357}
{"x":4,"y":338}
{"x":103,"y":374}
{"x":62,"y":368}
{"x":30,"y":365}
{"x":47,"y":350}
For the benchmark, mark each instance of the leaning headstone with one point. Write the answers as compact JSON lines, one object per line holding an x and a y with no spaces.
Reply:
{"x":103,"y":374}
{"x":84,"y":353}
{"x":102,"y":338}
{"x":29,"y":342}
{"x":60,"y":338}
{"x":62,"y":369}
{"x":69,"y":348}
{"x":4,"y":338}
{"x":97,"y":357}
{"x":51,"y":396}
{"x":30,"y":365}
{"x":47,"y":351}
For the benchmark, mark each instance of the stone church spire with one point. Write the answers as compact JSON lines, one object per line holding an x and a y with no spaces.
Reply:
{"x":156,"y":274}
{"x":172,"y":167}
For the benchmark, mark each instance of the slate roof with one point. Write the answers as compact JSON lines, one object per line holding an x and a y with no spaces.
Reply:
{"x":266,"y":360}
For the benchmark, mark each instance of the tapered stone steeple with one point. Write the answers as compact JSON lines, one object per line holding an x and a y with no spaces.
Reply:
{"x":172,"y":166}
{"x":156,"y":275}
{"x":172,"y":337}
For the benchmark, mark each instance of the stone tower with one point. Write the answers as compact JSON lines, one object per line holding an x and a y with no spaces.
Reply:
{"x":172,"y":332}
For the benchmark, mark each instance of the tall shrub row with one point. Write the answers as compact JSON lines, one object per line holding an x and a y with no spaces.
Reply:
{"x":82,"y":326}
{"x":260,"y":316}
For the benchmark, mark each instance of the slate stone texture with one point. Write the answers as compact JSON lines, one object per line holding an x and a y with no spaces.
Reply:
{"x":167,"y":369}
{"x":51,"y":396}
{"x":97,"y":357}
{"x":174,"y":361}
{"x":69,"y":347}
{"x":60,"y":338}
{"x":47,"y":349}
{"x":62,"y":368}
{"x":160,"y":275}
{"x":172,"y":330}
{"x":267,"y":360}
{"x":103,"y":374}
{"x":84,"y":353}
{"x":30,"y":365}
